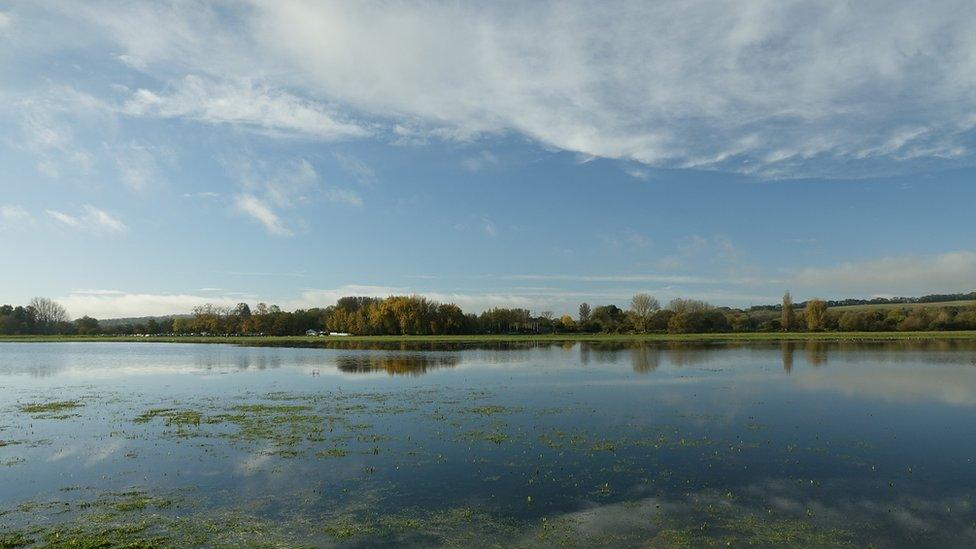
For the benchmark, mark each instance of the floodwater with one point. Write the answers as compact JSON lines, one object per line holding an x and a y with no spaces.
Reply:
{"x":768,"y":444}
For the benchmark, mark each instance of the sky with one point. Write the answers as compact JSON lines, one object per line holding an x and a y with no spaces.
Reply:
{"x":159,"y":155}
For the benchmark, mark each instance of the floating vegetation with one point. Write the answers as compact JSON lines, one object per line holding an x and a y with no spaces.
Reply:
{"x":437,"y":462}
{"x":333,"y":453}
{"x":496,"y":437}
{"x":12,"y":540}
{"x":489,"y":411}
{"x":51,"y":410}
{"x":172,"y":416}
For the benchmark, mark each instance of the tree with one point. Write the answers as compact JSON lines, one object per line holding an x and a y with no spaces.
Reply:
{"x":584,"y":313}
{"x":698,"y":322}
{"x":87,"y":325}
{"x":816,"y":314}
{"x":679,"y":306}
{"x":643,"y":306}
{"x":48,"y":314}
{"x":787,"y":314}
{"x":609,"y":317}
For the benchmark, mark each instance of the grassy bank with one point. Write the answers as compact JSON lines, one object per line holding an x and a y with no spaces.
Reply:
{"x":305,"y":341}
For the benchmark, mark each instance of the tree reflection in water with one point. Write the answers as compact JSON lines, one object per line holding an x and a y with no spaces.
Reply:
{"x":396,"y":364}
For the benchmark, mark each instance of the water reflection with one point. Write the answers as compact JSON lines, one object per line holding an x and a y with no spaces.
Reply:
{"x":787,"y":348}
{"x":612,"y":441}
{"x":816,"y":352}
{"x":645,"y":358}
{"x":395,"y":364}
{"x":46,"y":360}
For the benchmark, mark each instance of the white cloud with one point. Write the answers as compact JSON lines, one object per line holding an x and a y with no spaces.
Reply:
{"x":114,"y":304}
{"x":782,"y":89}
{"x":91,"y":219}
{"x":900,"y":275}
{"x":4,"y":20}
{"x":270,"y":186}
{"x":137,"y":166}
{"x":46,"y":133}
{"x":773,"y":87}
{"x":13,"y":216}
{"x":258,"y":210}
{"x":244,"y":104}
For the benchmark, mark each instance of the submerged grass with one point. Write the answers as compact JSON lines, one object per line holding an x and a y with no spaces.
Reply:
{"x":50,"y":407}
{"x":171,"y":416}
{"x":58,"y":409}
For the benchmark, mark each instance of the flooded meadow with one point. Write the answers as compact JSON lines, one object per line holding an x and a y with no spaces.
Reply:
{"x":762,"y":444}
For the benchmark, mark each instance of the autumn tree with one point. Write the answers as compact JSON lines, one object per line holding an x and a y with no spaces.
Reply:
{"x":815,"y":314}
{"x":643,"y":306}
{"x":786,"y":314}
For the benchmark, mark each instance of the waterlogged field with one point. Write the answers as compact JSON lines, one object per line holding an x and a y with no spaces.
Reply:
{"x":580,"y":444}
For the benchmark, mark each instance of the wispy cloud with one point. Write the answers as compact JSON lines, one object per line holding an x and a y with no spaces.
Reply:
{"x":245,"y":104}
{"x":13,"y":216}
{"x":90,"y":219}
{"x":343,"y":196}
{"x":137,"y":166}
{"x":363,"y":173}
{"x":259,"y":211}
{"x":488,"y":226}
{"x":777,"y":89}
{"x":271,"y":186}
{"x":480,"y":161}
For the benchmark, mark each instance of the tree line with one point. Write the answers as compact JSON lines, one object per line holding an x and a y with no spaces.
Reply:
{"x":417,"y":315}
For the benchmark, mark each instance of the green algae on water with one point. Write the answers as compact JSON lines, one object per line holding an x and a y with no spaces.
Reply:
{"x":50,"y":410}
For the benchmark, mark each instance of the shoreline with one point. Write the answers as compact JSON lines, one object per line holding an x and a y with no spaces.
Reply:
{"x":312,"y":341}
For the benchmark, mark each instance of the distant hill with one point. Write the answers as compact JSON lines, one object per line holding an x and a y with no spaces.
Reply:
{"x":948,"y":300}
{"x":115,"y":322}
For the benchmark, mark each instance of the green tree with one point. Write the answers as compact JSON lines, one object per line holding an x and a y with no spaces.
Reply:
{"x":87,"y":325}
{"x":584,"y":313}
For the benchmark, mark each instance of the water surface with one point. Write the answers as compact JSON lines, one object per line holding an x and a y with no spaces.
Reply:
{"x":534,"y":445}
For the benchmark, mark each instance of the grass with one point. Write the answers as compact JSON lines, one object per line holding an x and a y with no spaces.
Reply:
{"x":304,"y":341}
{"x":50,"y":408}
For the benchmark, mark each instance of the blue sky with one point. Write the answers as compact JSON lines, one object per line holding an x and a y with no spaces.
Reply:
{"x":158,"y":155}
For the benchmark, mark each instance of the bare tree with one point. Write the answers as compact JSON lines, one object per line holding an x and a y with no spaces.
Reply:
{"x":643,"y":306}
{"x":679,"y":306}
{"x":48,"y":313}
